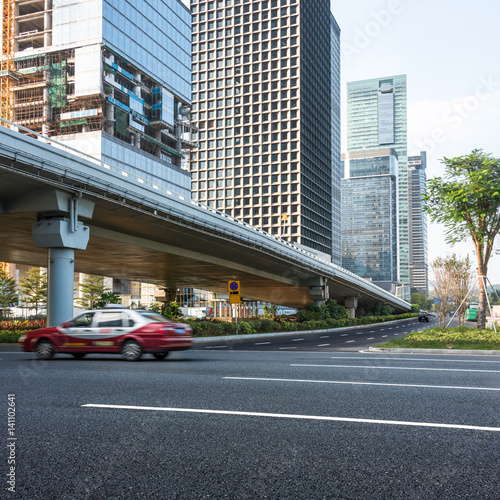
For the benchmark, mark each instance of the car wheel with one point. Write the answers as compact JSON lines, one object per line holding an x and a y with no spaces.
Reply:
{"x":131,"y":350}
{"x":44,"y":350}
{"x":79,"y":355}
{"x":160,"y":355}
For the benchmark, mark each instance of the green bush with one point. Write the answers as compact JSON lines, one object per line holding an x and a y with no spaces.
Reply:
{"x":8,"y":337}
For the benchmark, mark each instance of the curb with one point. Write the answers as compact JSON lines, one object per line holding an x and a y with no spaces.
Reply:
{"x":434,"y":351}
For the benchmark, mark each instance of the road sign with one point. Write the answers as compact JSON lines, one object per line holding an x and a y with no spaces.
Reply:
{"x":234,"y":292}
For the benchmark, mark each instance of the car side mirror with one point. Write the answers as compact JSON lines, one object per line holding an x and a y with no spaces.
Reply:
{"x":65,"y":324}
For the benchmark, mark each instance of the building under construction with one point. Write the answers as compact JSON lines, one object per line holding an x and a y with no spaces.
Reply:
{"x":100,"y":76}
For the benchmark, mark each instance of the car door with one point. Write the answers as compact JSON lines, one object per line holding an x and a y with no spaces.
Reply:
{"x":77,"y":333}
{"x":111,"y":326}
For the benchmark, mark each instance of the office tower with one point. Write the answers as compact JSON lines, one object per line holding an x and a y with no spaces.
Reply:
{"x":376,"y":117}
{"x":336,"y":141}
{"x":370,"y":215}
{"x":418,"y":223}
{"x":110,"y":78}
{"x":262,"y":100}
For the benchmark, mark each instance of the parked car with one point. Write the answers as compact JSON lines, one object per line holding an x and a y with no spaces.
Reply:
{"x":423,"y":316}
{"x":113,"y":330}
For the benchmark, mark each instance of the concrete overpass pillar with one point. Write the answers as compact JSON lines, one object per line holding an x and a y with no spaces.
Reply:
{"x":318,"y":290}
{"x":351,"y":303}
{"x":61,"y":236}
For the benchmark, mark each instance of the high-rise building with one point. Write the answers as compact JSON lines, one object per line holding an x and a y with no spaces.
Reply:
{"x":265,"y":98}
{"x":418,"y":223}
{"x":377,"y":118}
{"x":111,"y":78}
{"x":370,"y":216}
{"x":336,"y":142}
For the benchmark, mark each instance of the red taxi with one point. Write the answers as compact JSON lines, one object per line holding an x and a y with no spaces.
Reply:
{"x":118,"y":330}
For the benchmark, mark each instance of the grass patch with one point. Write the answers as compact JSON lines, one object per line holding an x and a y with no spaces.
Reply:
{"x":451,"y":338}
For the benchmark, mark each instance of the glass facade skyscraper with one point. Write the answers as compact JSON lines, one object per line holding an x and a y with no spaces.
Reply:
{"x":336,"y":151}
{"x":370,"y":215}
{"x":266,"y":83}
{"x":377,"y":117}
{"x":418,"y":223}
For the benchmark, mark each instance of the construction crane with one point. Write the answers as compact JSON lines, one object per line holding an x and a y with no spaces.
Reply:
{"x":7,"y":64}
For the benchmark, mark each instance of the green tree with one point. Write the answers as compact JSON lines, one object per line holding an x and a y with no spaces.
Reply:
{"x":106,"y":298}
{"x":467,"y":201}
{"x":8,"y":292}
{"x":419,"y":299}
{"x":333,"y":310}
{"x":34,"y":288}
{"x":155,"y":307}
{"x":270,"y":311}
{"x":172,"y":310}
{"x":92,"y":287}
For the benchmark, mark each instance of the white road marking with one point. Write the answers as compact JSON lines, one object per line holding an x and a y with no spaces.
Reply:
{"x":384,"y":336}
{"x":370,"y":338}
{"x":217,"y":347}
{"x":382,"y":329}
{"x":343,"y":334}
{"x":325,"y":337}
{"x":287,"y":348}
{"x":424,"y":386}
{"x":416,"y":359}
{"x":400,"y":368}
{"x":347,"y":341}
{"x":371,"y":331}
{"x":262,"y":343}
{"x":300,"y":417}
{"x":297,"y":340}
{"x":322,"y":345}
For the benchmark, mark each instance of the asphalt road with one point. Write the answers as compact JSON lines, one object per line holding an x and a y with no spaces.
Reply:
{"x":350,"y":339}
{"x":236,"y":424}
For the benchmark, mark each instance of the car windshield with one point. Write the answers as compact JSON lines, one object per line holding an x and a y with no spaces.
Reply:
{"x":154,"y":317}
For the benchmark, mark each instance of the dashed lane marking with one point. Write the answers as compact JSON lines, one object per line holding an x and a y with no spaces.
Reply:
{"x":384,"y":384}
{"x":400,"y":368}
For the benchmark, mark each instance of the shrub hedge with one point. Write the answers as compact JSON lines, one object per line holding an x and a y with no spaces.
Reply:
{"x":214,"y":328}
{"x":11,"y":330}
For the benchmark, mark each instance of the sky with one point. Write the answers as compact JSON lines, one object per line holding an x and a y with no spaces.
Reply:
{"x":449,"y":51}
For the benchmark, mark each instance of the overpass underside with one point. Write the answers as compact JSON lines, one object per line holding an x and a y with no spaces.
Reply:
{"x":149,"y":252}
{"x":140,"y":234}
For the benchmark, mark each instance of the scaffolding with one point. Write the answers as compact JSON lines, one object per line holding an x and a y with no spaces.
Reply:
{"x":7,"y":75}
{"x":45,"y":100}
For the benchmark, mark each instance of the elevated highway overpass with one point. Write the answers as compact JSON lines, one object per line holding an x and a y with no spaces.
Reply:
{"x":139,"y":231}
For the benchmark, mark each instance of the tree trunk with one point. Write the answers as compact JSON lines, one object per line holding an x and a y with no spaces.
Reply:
{"x":482,"y":303}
